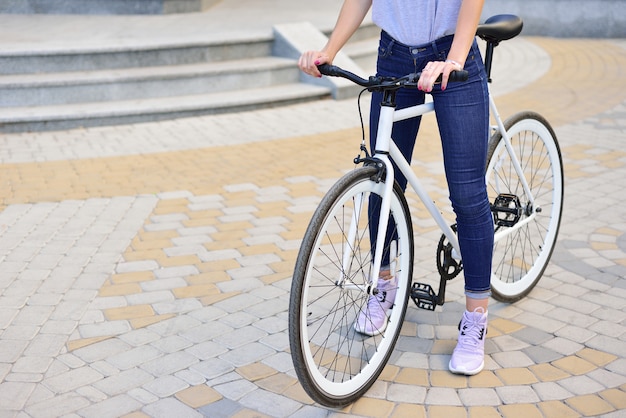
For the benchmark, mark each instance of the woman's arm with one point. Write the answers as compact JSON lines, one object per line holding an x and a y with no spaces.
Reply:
{"x":350,"y":18}
{"x":469,"y":16}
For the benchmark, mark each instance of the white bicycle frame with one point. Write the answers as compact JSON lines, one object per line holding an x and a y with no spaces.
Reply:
{"x":385,"y":148}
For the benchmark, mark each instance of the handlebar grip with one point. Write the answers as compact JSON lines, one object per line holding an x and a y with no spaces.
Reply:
{"x":456,"y":76}
{"x":329,"y":70}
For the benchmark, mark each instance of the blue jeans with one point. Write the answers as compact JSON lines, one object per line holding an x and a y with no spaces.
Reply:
{"x":462,"y":112}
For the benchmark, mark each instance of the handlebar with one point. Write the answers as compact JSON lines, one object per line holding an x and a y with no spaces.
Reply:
{"x":384,"y":83}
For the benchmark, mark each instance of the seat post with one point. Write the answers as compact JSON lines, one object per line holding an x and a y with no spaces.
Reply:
{"x":491,"y":45}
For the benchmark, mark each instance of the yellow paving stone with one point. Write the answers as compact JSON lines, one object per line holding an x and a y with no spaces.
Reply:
{"x":557,"y":409}
{"x":207,"y":278}
{"x":197,"y":396}
{"x":443,"y":347}
{"x":155,"y":254}
{"x":195,"y":291}
{"x":389,"y":373}
{"x":574,"y":365}
{"x":411,"y":376}
{"x":599,"y":358}
{"x":409,"y":411}
{"x":144,"y":235}
{"x":443,"y":378}
{"x":222,"y":245}
{"x":484,"y":379}
{"x":276,"y":277}
{"x":211,"y":299}
{"x":199,"y":222}
{"x":520,"y":411}
{"x":368,"y":407}
{"x":277,"y":383}
{"x":132,"y":277}
{"x":207,"y":214}
{"x":153,"y":244}
{"x":600,"y":246}
{"x":137,"y":323}
{"x":505,"y":326}
{"x":484,"y":412}
{"x":516,"y":376}
{"x":282,"y":266}
{"x":259,"y":249}
{"x":84,"y":342}
{"x":233,"y":226}
{"x":137,"y":414}
{"x":446,"y":412}
{"x":220,"y":265}
{"x":181,"y":260}
{"x":128,"y":312}
{"x":297,"y":393}
{"x":408,"y":329}
{"x":548,"y":373}
{"x":248,"y":413}
{"x":255,"y":371}
{"x":615,"y":397}
{"x":609,"y":231}
{"x":590,"y":405}
{"x":119,"y":289}
{"x":229,"y":235}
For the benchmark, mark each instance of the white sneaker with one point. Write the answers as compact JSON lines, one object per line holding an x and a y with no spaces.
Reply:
{"x":373,"y":319}
{"x":468,"y":357}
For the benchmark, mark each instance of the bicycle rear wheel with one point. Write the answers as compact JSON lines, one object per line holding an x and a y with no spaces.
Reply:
{"x":334,"y":363}
{"x":528,"y":230}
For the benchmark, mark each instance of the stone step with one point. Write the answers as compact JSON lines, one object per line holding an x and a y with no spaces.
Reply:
{"x":56,"y":117}
{"x":129,"y":55}
{"x":144,"y":82}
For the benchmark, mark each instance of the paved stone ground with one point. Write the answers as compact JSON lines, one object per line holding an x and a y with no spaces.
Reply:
{"x":145,"y":269}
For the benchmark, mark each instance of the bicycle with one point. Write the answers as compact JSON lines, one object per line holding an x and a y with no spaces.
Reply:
{"x":335,"y":272}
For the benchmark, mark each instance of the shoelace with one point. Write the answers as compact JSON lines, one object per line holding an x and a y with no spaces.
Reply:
{"x":473,"y":332}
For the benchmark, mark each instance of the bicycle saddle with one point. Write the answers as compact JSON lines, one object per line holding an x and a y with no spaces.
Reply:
{"x":500,"y":28}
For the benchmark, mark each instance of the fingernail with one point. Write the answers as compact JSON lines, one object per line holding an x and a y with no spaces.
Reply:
{"x":317,"y":62}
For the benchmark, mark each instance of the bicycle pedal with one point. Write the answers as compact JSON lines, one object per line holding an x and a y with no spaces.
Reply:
{"x":424,"y":296}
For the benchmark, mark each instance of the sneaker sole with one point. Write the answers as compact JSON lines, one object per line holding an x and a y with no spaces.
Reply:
{"x":467,"y":372}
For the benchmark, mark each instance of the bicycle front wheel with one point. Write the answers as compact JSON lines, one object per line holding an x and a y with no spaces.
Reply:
{"x":334,"y":362}
{"x":526,"y":228}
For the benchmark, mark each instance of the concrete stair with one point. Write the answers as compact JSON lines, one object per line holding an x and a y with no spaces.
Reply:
{"x":65,"y":88}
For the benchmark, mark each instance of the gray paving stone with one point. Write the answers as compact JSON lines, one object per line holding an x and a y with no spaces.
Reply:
{"x":13,"y":395}
{"x":240,"y":337}
{"x":101,"y":350}
{"x":165,"y":386}
{"x":270,"y":403}
{"x":57,"y":406}
{"x":207,"y":350}
{"x":517,"y":394}
{"x":134,"y":357}
{"x":224,"y":408}
{"x":551,"y":391}
{"x":581,"y":385}
{"x":206,"y":331}
{"x":541,"y":355}
{"x":443,"y":396}
{"x":169,"y":363}
{"x":73,"y":379}
{"x":11,"y":350}
{"x":170,"y":407}
{"x":235,"y":389}
{"x":401,"y":393}
{"x":248,"y":354}
{"x":112,"y":407}
{"x":31,"y":364}
{"x":123,"y":382}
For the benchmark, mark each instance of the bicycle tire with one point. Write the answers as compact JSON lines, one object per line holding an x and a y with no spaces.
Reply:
{"x":335,"y":364}
{"x":520,"y":258}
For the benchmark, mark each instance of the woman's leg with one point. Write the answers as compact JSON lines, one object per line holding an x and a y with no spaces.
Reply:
{"x":463,"y":118}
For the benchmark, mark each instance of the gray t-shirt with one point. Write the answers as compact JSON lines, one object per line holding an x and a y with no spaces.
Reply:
{"x":416,"y":22}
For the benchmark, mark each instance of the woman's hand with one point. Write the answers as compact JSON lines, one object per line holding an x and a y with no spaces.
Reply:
{"x":309,"y":61}
{"x":433,"y":70}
